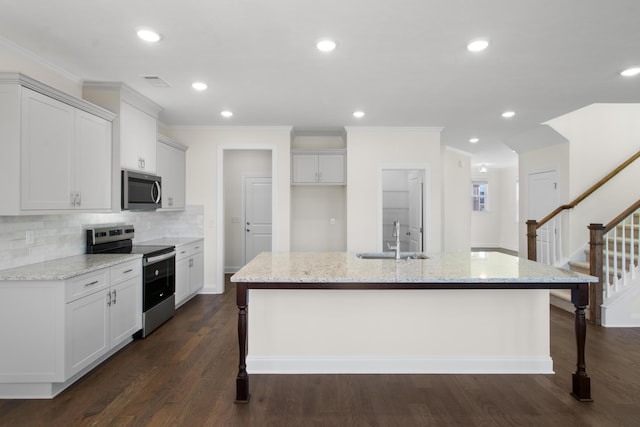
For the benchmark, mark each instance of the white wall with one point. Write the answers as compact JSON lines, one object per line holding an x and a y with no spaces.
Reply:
{"x":554,"y":157}
{"x":456,"y":214}
{"x":368,"y":151}
{"x":237,"y":165}
{"x":601,"y":136}
{"x":205,"y":182}
{"x":312,"y":209}
{"x":498,"y":226}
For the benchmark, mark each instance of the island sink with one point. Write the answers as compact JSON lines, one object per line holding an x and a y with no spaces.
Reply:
{"x":391,"y":255}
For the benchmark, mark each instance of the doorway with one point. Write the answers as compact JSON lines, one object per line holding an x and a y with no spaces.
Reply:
{"x":235,"y":164}
{"x":403,"y":201}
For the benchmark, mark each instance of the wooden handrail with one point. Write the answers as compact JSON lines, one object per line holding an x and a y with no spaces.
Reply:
{"x":590,"y":191}
{"x":617,"y":220}
{"x":533,"y":225}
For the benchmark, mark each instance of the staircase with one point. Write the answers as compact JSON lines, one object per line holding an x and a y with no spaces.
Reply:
{"x":620,"y":275}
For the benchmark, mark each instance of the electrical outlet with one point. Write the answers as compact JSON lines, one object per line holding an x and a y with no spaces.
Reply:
{"x":332,"y":221}
{"x":29,"y":237}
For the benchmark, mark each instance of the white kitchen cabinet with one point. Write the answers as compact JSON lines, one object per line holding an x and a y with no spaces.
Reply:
{"x":56,"y":150}
{"x":134,"y":129}
{"x":137,"y":139}
{"x":107,"y":314}
{"x":171,"y":166}
{"x":189,"y":270}
{"x":53,"y":331}
{"x":318,"y":168}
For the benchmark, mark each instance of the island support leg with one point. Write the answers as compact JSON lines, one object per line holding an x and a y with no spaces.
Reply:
{"x":242,"y":380}
{"x":581,"y":389}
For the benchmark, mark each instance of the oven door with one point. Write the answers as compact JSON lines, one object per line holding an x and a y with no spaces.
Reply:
{"x":159,"y":279}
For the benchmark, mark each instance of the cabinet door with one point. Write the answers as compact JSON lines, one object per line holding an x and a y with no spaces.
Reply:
{"x":305,"y":168}
{"x":147,"y":143}
{"x":182,"y":280}
{"x":196,"y":273}
{"x":47,"y":152}
{"x":87,"y":331}
{"x":130,"y":157}
{"x":171,"y":167}
{"x":93,"y":161}
{"x":126,"y":310}
{"x":331,"y":168}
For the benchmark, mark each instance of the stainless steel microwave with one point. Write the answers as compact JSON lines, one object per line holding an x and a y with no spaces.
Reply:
{"x":141,"y":191}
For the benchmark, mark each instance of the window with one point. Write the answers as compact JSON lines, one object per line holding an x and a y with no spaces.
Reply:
{"x":479,"y":195}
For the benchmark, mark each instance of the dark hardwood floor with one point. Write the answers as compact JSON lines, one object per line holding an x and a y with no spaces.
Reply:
{"x":184,"y":374}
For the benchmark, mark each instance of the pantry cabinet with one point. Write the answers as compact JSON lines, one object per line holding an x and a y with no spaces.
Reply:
{"x":171,"y":158}
{"x":318,"y":167}
{"x":56,"y":150}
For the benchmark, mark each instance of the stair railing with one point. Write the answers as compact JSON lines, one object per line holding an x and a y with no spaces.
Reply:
{"x":613,"y":257}
{"x":553,"y":249}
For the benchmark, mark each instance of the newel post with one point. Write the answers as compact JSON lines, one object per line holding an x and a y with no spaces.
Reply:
{"x":596,"y":258}
{"x":532,"y":227}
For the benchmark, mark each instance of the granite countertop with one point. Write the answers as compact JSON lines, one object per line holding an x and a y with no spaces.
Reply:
{"x":173,"y":241}
{"x":342,"y":267}
{"x":65,"y":268}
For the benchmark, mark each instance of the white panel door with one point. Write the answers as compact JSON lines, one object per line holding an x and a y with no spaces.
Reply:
{"x":415,"y":211}
{"x":126,"y":310}
{"x":93,"y":161}
{"x":543,"y":199}
{"x":331,"y":168}
{"x":257,"y":202}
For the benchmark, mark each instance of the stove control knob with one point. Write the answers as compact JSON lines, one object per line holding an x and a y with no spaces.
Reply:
{"x":157,"y":272}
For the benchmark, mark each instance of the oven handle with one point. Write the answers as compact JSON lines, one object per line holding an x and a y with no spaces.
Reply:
{"x":162,"y":257}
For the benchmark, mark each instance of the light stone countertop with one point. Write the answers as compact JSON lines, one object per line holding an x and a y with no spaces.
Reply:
{"x":65,"y":268}
{"x":172,"y":241}
{"x":342,"y":267}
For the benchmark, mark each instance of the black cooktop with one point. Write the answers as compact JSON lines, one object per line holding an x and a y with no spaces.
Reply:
{"x":151,"y":250}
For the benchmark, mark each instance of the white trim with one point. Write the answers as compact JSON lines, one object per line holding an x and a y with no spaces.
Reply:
{"x":393,"y":128}
{"x":398,"y":365}
{"x":220,"y":267}
{"x":40,"y":60}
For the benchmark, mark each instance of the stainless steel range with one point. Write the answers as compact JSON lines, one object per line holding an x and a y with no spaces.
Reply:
{"x":158,"y":271}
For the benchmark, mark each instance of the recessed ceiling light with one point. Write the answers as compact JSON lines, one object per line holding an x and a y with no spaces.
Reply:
{"x":474,"y":140}
{"x":226,"y":113}
{"x":358,"y":114}
{"x":326,"y":45}
{"x":508,"y":114}
{"x":630,"y":72}
{"x":477,"y":45}
{"x":148,"y":35}
{"x":199,"y":86}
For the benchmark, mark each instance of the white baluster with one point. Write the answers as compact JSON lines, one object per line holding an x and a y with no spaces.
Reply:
{"x":607,"y":267}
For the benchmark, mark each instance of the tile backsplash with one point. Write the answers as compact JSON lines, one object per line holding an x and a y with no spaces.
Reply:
{"x":30,"y":239}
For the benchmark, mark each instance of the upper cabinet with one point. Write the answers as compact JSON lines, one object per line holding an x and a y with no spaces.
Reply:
{"x":137,"y":139}
{"x":56,"y":150}
{"x":318,"y":167}
{"x":171,"y":159}
{"x":134,"y":129}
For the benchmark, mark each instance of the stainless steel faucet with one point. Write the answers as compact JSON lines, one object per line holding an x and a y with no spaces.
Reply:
{"x":396,"y":234}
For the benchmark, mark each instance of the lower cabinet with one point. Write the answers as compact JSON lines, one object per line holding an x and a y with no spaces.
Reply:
{"x":57,"y":329}
{"x":189,"y":271}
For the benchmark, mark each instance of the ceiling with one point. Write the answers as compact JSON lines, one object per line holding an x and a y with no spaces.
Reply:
{"x":402,"y":62}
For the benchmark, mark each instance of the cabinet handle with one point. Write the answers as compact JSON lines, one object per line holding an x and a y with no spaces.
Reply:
{"x":109,"y":301}
{"x":72,"y":199}
{"x":114,"y":297}
{"x":79,"y":198}
{"x":127,"y":271}
{"x":91,"y":284}
{"x":181,"y":252}
{"x":190,"y":262}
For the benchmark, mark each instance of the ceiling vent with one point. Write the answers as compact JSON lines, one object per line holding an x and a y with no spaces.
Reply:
{"x":155,"y":81}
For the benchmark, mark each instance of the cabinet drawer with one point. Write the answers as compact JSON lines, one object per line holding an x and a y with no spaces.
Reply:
{"x":87,"y":284}
{"x":189,"y":250}
{"x":126,"y":270}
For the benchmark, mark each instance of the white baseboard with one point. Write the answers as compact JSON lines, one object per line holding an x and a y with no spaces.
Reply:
{"x":398,"y":365}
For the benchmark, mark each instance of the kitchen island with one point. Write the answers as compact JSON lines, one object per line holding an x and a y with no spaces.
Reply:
{"x":469,"y":289}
